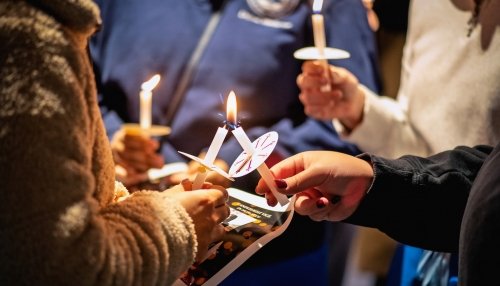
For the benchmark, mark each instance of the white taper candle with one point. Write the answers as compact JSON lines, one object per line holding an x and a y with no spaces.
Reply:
{"x":263,"y":170}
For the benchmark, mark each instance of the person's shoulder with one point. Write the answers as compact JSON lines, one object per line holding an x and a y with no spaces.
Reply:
{"x":37,"y":62}
{"x":26,"y":28}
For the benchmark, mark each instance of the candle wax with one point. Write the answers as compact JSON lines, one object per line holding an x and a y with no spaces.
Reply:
{"x":145,"y":109}
{"x":320,"y":44}
{"x":200,"y":179}
{"x":319,"y":33}
{"x":210,"y":157}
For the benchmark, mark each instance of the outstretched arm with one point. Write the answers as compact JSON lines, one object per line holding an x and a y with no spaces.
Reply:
{"x":421,"y":201}
{"x":418,"y":201}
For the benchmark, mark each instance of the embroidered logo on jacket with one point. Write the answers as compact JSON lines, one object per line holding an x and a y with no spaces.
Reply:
{"x":272,"y":8}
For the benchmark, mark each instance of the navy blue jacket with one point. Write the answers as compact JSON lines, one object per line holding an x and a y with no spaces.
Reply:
{"x":248,"y":53}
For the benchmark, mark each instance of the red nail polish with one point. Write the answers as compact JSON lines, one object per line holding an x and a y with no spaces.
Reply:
{"x":270,"y":202}
{"x":280,"y":183}
{"x":320,"y":204}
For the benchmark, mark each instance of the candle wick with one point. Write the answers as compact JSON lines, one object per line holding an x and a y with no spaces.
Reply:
{"x":230,"y":125}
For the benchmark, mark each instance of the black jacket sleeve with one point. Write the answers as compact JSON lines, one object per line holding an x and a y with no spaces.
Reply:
{"x":421,"y":201}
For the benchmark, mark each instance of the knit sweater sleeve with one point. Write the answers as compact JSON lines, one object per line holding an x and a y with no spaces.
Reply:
{"x":58,"y":224}
{"x":386,"y":129}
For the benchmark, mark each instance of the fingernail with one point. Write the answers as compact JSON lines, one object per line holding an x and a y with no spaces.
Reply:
{"x":280,"y":183}
{"x":336,"y":199}
{"x":320,"y":204}
{"x":270,"y":202}
{"x":186,"y":185}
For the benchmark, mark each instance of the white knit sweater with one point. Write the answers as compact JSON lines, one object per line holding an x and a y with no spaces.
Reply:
{"x":450,"y":86}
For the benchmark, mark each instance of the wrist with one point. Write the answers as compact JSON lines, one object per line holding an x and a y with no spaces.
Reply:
{"x":355,"y":117}
{"x":369,"y":172}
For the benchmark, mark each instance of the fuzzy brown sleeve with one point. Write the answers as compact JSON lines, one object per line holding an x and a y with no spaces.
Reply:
{"x":58,"y":225}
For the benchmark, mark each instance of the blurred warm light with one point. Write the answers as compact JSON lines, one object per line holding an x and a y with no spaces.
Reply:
{"x":231,"y":108}
{"x":150,"y":84}
{"x":317,"y":5}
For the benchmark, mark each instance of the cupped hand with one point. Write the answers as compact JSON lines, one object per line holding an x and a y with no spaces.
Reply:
{"x":136,"y":151}
{"x":207,"y":208}
{"x":328,"y":185}
{"x":344,"y":101}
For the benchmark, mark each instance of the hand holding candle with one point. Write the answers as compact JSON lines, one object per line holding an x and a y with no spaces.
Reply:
{"x":145,"y":127}
{"x":265,"y":143}
{"x":134,"y":151}
{"x":210,"y":156}
{"x":320,"y":51}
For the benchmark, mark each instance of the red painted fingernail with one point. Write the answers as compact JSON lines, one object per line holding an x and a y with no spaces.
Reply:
{"x":271,"y":202}
{"x":280,"y":183}
{"x":320,"y":204}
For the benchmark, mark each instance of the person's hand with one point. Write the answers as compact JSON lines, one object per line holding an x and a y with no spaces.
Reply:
{"x":135,"y":153}
{"x":207,"y":208}
{"x":345,"y":100}
{"x":329,"y":185}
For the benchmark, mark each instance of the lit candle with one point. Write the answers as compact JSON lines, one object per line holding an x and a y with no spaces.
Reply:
{"x":210,"y":156}
{"x":247,"y":146}
{"x":212,"y":152}
{"x":145,"y":101}
{"x":318,"y":24}
{"x":319,"y":27}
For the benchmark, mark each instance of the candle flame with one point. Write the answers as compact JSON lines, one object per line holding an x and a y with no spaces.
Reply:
{"x":317,"y":5}
{"x":151,"y":83}
{"x":231,"y":109}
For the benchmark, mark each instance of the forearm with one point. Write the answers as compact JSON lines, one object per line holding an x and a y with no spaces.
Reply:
{"x":420,"y":201}
{"x":119,"y":245}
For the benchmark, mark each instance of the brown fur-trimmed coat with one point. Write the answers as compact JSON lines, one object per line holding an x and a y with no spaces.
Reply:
{"x":58,"y":222}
